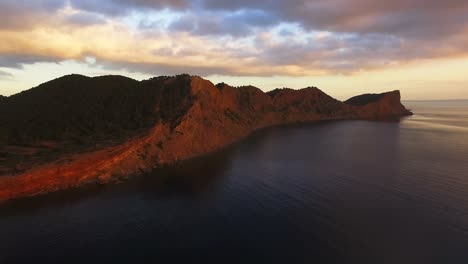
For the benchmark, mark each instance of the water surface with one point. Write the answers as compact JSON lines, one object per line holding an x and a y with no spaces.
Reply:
{"x":333,"y":192}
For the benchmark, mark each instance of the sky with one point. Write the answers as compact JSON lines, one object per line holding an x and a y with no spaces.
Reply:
{"x":344,"y":47}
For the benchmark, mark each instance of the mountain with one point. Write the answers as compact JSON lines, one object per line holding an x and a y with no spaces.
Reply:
{"x":76,"y":129}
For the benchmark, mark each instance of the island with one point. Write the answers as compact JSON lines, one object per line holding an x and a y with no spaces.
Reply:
{"x":78,"y":130}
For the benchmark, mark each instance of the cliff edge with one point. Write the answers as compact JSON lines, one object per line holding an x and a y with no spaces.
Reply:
{"x":77,"y":130}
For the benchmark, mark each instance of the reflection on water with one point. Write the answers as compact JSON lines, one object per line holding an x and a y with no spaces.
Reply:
{"x":444,"y":114}
{"x":332,"y":192}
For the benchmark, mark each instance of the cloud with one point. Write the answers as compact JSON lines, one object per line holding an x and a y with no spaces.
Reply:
{"x":5,"y":75}
{"x":408,"y":18}
{"x":20,"y":14}
{"x":84,"y":19}
{"x":16,"y":61}
{"x":168,"y":69}
{"x":122,"y":7}
{"x":240,"y":23}
{"x":254,"y":38}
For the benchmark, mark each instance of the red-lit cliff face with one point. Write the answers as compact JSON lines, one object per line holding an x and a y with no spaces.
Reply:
{"x":192,"y":117}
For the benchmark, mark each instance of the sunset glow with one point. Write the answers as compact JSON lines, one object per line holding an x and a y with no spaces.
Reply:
{"x":419,"y":47}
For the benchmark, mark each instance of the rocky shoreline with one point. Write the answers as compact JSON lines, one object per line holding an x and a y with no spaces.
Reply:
{"x":195,"y":117}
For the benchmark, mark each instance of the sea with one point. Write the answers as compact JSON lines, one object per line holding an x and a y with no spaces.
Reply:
{"x":327,"y":192}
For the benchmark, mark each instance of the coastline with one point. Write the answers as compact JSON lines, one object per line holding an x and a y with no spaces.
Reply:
{"x":212,"y":118}
{"x":93,"y":167}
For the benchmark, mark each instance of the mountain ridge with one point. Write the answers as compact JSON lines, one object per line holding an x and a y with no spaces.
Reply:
{"x":76,"y":129}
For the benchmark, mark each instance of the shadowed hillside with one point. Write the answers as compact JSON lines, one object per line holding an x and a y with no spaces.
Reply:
{"x":364,"y":99}
{"x":83,"y":110}
{"x":76,"y":129}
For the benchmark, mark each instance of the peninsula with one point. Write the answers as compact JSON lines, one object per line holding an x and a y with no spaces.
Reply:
{"x":77,"y":130}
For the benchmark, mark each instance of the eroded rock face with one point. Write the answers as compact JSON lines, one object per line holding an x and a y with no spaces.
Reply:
{"x":190,"y":116}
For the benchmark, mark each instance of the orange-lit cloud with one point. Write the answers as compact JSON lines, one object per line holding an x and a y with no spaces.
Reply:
{"x":225,"y":38}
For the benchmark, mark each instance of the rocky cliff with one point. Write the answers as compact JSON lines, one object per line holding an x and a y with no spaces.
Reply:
{"x":77,"y":130}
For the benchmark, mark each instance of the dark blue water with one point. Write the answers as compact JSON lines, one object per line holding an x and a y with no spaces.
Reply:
{"x":334,"y":192}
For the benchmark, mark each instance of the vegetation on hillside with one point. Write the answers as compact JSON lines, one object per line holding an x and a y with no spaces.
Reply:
{"x":84,"y":110}
{"x":364,"y":99}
